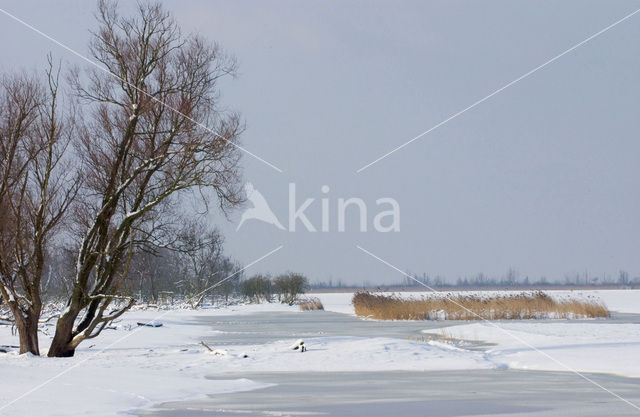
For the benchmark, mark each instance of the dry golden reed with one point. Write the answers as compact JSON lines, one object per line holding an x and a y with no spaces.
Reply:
{"x":534,"y":305}
{"x":311,"y":303}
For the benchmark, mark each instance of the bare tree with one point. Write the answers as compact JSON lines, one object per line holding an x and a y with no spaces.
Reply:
{"x":199,"y":263}
{"x":146,"y":275}
{"x":623,"y":277}
{"x":256,"y":288}
{"x":200,"y":251}
{"x":512,"y":277}
{"x":142,"y":149}
{"x":37,"y":186}
{"x":289,"y":286}
{"x":59,"y":272}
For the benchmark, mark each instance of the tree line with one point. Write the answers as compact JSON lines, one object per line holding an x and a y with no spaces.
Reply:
{"x":286,"y":286}
{"x":511,"y":278}
{"x":193,"y":273}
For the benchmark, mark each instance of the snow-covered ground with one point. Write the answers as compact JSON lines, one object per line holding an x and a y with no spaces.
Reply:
{"x":137,"y":367}
{"x":583,"y":347}
{"x":131,"y":367}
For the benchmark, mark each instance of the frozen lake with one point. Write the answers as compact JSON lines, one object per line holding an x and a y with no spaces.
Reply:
{"x":271,"y":326}
{"x":404,"y":393}
{"x":383,"y":393}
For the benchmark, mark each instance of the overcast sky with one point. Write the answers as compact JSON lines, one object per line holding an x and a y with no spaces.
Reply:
{"x":543,"y":177}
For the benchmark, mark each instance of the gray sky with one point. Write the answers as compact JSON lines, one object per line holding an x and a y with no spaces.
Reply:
{"x":542,"y":177}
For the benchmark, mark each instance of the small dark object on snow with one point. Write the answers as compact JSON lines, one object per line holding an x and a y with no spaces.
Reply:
{"x":150,"y":324}
{"x":205,"y":345}
{"x":299,"y":345}
{"x":8,"y":348}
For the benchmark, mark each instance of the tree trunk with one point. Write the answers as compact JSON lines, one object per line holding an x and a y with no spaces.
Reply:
{"x":61,"y":346}
{"x":28,"y":333}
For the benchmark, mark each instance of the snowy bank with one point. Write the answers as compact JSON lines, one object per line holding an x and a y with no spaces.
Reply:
{"x":557,"y":346}
{"x":123,"y":369}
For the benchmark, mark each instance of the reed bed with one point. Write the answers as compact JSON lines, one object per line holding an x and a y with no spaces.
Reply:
{"x":532,"y":305}
{"x":310,"y":303}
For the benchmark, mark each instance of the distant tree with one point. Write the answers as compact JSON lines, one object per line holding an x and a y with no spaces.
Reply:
{"x":425,"y":279}
{"x":257,"y":288}
{"x":289,"y":286}
{"x":60,"y":264}
{"x":226,"y":287}
{"x":153,"y":273}
{"x":200,"y":252}
{"x":511,"y":277}
{"x":623,"y":278}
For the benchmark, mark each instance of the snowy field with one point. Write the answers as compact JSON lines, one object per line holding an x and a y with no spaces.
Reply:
{"x":131,"y":368}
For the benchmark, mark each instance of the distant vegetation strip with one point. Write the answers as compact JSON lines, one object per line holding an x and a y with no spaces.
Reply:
{"x":533,"y":305}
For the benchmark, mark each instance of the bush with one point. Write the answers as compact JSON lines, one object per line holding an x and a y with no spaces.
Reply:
{"x":256,"y":288}
{"x":289,"y":286}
